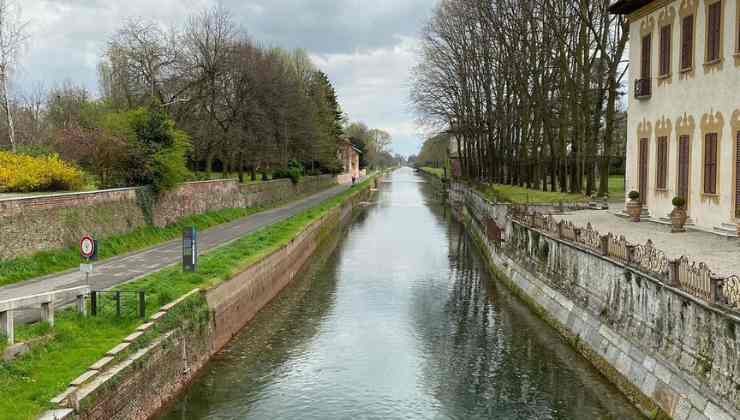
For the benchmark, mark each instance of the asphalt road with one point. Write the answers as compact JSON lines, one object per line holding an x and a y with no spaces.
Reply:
{"x":137,"y":264}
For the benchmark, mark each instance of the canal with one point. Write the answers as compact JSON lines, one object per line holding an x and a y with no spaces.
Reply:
{"x":400,"y":321}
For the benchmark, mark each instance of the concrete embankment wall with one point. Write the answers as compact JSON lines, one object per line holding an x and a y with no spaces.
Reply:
{"x":675,"y":356}
{"x":141,"y":383}
{"x":30,"y":225}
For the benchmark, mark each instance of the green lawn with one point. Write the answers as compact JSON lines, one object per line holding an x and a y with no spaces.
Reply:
{"x":75,"y":342}
{"x":438,"y":172}
{"x":520,"y":195}
{"x":203,"y":176}
{"x":616,"y":186}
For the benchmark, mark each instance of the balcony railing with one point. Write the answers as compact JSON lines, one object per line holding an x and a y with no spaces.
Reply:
{"x":643,"y":88}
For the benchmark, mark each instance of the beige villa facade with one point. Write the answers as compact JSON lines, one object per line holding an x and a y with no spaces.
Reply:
{"x":684,"y":108}
{"x":349,"y":155}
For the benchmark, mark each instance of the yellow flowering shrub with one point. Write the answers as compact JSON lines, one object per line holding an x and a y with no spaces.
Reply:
{"x":23,"y":173}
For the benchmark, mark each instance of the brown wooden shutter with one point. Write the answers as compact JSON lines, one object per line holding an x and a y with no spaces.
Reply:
{"x":643,"y":169}
{"x":714,"y":31}
{"x":646,"y":41}
{"x":662,"y":163}
{"x":665,"y":50}
{"x":710,"y":163}
{"x":687,"y":42}
{"x":683,"y":168}
{"x":737,"y":175}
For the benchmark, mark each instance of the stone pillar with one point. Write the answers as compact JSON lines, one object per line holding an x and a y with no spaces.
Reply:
{"x":6,"y":325}
{"x":47,"y":312}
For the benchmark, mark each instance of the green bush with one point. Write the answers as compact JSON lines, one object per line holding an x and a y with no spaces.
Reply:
{"x":633,"y":195}
{"x":156,"y":149}
{"x":679,"y":201}
{"x":294,"y":172}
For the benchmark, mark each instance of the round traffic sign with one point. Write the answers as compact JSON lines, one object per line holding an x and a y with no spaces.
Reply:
{"x":87,"y":246}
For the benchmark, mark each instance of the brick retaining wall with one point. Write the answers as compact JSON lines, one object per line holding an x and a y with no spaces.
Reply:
{"x":30,"y":225}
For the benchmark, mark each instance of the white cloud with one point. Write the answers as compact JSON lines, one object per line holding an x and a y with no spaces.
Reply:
{"x":373,"y":87}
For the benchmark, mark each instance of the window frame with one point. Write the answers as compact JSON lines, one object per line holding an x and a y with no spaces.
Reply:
{"x":661,"y":167}
{"x":688,"y":42}
{"x":646,"y":58}
{"x":737,"y":29}
{"x":711,"y":166}
{"x":665,"y":48}
{"x":710,"y":4}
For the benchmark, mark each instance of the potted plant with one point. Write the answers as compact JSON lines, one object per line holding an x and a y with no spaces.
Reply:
{"x":634,"y":206}
{"x":678,"y":215}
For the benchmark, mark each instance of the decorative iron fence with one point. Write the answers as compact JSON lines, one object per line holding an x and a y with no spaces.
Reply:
{"x":694,"y":278}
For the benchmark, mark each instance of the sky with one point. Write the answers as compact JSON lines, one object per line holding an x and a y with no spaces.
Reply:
{"x":367,"y":48}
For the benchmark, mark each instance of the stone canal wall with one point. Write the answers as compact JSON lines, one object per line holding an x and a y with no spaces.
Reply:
{"x":674,"y":355}
{"x":30,"y":225}
{"x":158,"y":362}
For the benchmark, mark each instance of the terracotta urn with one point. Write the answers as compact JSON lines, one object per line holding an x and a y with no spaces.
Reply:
{"x":634,"y":206}
{"x":678,"y":215}
{"x":678,"y":220}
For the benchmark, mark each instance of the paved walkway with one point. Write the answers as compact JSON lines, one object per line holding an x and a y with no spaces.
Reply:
{"x":721,"y":254}
{"x":128,"y":267}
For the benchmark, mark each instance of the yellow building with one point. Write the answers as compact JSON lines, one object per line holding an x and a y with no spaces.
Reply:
{"x":684,"y":108}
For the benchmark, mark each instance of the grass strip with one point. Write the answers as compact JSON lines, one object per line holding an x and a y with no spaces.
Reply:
{"x":75,"y":342}
{"x":438,"y":172}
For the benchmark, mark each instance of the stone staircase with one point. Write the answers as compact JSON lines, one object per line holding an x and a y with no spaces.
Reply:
{"x":644,"y":214}
{"x":727,"y":230}
{"x":666,"y":220}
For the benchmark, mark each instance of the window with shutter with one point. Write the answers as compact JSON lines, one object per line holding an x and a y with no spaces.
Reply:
{"x":737,"y":175}
{"x":643,"y":171}
{"x":683,"y":167}
{"x":645,"y":65}
{"x":710,"y":163}
{"x":687,"y":42}
{"x":737,"y":29}
{"x":662,"y":168}
{"x":714,"y":31}
{"x":665,"y":50}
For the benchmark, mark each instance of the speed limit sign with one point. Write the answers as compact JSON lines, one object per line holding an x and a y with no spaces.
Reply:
{"x":87,"y":247}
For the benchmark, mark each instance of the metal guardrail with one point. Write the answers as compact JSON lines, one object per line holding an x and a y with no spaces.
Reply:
{"x":45,"y":301}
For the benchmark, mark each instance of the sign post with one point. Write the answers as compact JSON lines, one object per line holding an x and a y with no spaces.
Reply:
{"x":88,"y":252}
{"x":189,"y":249}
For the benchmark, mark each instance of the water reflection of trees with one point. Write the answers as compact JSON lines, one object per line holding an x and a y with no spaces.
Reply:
{"x":239,"y":373}
{"x":488,"y":356}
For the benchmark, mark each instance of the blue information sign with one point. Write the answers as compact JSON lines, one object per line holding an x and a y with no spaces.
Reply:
{"x":189,"y":249}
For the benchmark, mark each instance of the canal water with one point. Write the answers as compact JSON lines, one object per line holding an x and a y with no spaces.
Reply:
{"x":401,"y":321}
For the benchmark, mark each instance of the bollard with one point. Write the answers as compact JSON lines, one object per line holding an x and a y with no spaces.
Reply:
{"x":6,"y":325}
{"x":47,"y":312}
{"x":94,"y":303}
{"x":142,"y":304}
{"x":81,"y":305}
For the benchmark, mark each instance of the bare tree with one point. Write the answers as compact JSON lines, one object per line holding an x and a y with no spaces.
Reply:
{"x":527,"y":88}
{"x":13,"y":35}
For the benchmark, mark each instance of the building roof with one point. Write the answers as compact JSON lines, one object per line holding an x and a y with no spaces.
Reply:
{"x":349,"y":143}
{"x":625,"y":7}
